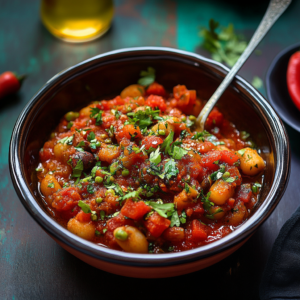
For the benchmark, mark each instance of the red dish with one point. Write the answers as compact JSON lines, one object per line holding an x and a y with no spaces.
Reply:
{"x":131,"y":173}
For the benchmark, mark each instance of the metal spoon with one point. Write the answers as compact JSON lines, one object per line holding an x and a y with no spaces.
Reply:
{"x":274,"y":11}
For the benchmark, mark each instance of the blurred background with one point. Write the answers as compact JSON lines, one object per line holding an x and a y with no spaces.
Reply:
{"x":33,"y":266}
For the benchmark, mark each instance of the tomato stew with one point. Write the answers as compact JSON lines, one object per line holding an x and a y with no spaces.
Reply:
{"x":131,"y":174}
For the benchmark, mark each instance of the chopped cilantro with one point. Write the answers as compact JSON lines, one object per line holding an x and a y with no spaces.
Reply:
{"x":211,"y":216}
{"x":50,"y":185}
{"x":102,"y":215}
{"x":242,"y":152}
{"x":96,"y":114}
{"x":218,"y":174}
{"x":183,"y":217}
{"x":115,"y":187}
{"x":231,"y":179}
{"x":85,"y":207}
{"x":166,"y":145}
{"x":155,"y":157}
{"x":201,"y":135}
{"x":170,"y":169}
{"x":67,"y":140}
{"x":205,"y":200}
{"x":91,"y":136}
{"x":224,"y":44}
{"x":142,"y":118}
{"x":90,"y":189}
{"x":78,"y":169}
{"x":255,"y":187}
{"x":161,"y":209}
{"x":147,"y":77}
{"x":175,"y":219}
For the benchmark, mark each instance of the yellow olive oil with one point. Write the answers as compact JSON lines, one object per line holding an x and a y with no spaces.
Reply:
{"x":77,"y":20}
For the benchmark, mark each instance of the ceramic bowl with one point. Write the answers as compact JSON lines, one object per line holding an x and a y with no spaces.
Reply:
{"x":104,"y":76}
{"x":277,"y":90}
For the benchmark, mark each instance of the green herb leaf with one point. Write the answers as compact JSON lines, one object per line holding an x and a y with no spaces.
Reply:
{"x":171,"y":169}
{"x":175,"y":219}
{"x":223,"y":43}
{"x":90,"y":189}
{"x":166,"y":145}
{"x":115,"y":187}
{"x":147,"y":77}
{"x":155,"y":157}
{"x":78,"y":169}
{"x":96,"y":113}
{"x":91,"y":136}
{"x":67,"y":140}
{"x":51,"y":185}
{"x":161,"y":209}
{"x":242,"y":152}
{"x":85,"y":207}
{"x":211,"y":216}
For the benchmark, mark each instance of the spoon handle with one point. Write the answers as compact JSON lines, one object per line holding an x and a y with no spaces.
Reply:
{"x":274,"y":11}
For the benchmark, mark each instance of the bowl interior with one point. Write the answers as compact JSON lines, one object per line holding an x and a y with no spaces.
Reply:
{"x":277,"y":88}
{"x":104,"y":77}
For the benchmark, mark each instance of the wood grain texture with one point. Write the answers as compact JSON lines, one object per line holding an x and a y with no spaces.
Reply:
{"x":33,"y":266}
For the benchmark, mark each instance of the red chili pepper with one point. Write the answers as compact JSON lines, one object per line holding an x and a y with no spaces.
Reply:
{"x":293,"y":78}
{"x":10,"y":83}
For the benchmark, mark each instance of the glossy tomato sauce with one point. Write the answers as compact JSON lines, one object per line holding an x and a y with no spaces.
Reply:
{"x":131,"y":173}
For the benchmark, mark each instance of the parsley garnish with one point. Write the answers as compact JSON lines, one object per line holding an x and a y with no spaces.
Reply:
{"x":85,"y":207}
{"x":211,"y":216}
{"x":225,"y":45}
{"x":96,"y":113}
{"x":78,"y":169}
{"x":255,"y":187}
{"x":147,"y":77}
{"x":166,"y":145}
{"x":155,"y":157}
{"x":116,"y":187}
{"x":161,"y":209}
{"x":51,"y":185}
{"x":242,"y":152}
{"x":90,"y":189}
{"x":183,"y":217}
{"x":205,"y":200}
{"x":175,"y":219}
{"x":170,"y":169}
{"x":201,"y":135}
{"x":218,"y":174}
{"x":142,"y":118}
{"x":135,"y":195}
{"x":91,"y":136}
{"x":231,"y":179}
{"x":67,"y":140}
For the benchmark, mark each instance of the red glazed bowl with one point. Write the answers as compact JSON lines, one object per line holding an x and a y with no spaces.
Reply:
{"x":105,"y":76}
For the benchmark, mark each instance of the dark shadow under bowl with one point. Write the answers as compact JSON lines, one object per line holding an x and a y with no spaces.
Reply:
{"x":104,"y":76}
{"x":277,"y":90}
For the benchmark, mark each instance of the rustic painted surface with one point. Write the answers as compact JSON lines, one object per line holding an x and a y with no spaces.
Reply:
{"x":33,"y":266}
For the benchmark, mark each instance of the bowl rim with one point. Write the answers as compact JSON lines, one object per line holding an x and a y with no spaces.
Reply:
{"x":270,"y":71}
{"x":149,"y":260}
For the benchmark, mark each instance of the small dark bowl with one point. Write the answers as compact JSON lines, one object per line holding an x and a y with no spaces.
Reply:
{"x":106,"y":75}
{"x":277,"y":90}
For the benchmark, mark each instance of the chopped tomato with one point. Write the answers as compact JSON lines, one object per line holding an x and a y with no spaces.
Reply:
{"x":229,"y":157}
{"x":156,"y":89}
{"x":215,"y":118}
{"x":156,"y":224}
{"x":135,"y":210}
{"x":66,"y":199}
{"x":156,"y":101}
{"x":244,"y":192}
{"x":198,"y":231}
{"x":152,"y":141}
{"x":210,"y":160}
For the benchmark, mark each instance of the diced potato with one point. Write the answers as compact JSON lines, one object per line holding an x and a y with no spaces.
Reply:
{"x":238,"y":214}
{"x":108,"y":152}
{"x":217,"y":215}
{"x":184,"y":199}
{"x":86,"y":111}
{"x":221,"y":191}
{"x":59,"y":150}
{"x":133,"y":90}
{"x":251,"y":162}
{"x":85,"y":230}
{"x":49,"y":185}
{"x":132,"y":240}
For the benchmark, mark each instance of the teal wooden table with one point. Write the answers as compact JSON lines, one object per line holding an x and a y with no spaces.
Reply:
{"x":32,"y":265}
